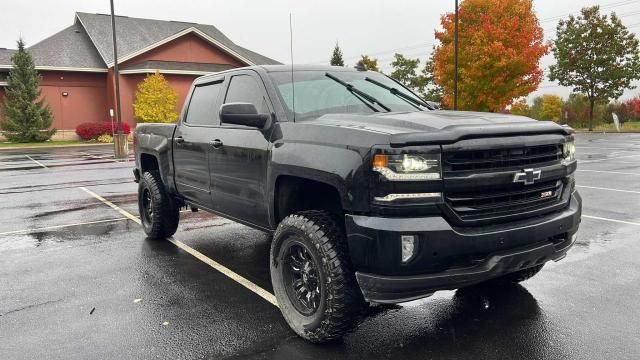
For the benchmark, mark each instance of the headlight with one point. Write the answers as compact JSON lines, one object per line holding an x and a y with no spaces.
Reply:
{"x":569,"y":150}
{"x":407,"y":167}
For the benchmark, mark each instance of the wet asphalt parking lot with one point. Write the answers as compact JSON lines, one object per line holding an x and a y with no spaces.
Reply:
{"x":78,"y":279}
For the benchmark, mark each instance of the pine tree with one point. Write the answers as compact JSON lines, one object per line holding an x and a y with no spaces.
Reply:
{"x":156,"y":100}
{"x":26,"y":119}
{"x":336,"y":57}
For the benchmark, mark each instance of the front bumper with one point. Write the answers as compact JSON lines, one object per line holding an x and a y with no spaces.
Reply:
{"x":450,"y":258}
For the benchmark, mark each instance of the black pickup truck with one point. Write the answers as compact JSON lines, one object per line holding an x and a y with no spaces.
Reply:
{"x":371,"y":195}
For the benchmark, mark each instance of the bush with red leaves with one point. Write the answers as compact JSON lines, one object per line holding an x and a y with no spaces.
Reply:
{"x":92,"y":130}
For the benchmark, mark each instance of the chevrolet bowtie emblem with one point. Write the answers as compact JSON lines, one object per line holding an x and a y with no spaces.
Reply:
{"x":527,"y":176}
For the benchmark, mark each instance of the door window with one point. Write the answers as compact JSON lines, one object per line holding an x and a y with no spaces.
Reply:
{"x":202,"y":107}
{"x":245,"y":88}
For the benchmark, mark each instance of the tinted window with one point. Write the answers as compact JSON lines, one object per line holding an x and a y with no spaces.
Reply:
{"x":245,"y":88}
{"x":317,"y":95}
{"x":202,"y":109}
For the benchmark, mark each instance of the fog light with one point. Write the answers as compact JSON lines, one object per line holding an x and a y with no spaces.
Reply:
{"x":408,"y":243}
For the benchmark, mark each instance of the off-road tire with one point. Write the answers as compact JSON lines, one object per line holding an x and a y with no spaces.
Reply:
{"x":522,"y":275}
{"x":341,"y":303}
{"x":163,"y":221}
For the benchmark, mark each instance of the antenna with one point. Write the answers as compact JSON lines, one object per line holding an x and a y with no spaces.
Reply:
{"x":293,"y":84}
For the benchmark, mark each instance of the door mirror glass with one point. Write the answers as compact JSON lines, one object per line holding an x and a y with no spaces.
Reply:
{"x":242,"y":114}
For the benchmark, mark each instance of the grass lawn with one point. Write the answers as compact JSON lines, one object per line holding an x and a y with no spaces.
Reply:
{"x":626,"y":126}
{"x":46,"y":143}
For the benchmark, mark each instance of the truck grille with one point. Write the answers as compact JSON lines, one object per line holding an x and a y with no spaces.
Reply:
{"x":504,"y":201}
{"x":498,"y":159}
{"x":498,"y":198}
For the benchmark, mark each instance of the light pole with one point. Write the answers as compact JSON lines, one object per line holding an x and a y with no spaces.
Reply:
{"x":120,"y":141}
{"x":455,"y":60}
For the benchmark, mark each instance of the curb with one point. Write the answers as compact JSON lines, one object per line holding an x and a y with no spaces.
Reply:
{"x":53,"y":146}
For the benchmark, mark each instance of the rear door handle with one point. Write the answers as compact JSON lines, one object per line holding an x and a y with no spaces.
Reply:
{"x":216,"y":143}
{"x":179,"y":140}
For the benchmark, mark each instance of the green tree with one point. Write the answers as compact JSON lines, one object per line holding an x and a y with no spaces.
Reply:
{"x":429,"y":89}
{"x":536,"y":108}
{"x":27,"y":119}
{"x":551,"y":107}
{"x":405,"y":70}
{"x":336,"y":57}
{"x":520,"y":107}
{"x":368,"y":63}
{"x":596,"y":55}
{"x":156,"y":100}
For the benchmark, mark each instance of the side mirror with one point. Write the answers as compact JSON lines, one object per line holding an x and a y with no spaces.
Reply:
{"x":242,"y":114}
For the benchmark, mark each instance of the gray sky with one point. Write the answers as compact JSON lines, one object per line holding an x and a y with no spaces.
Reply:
{"x":376,"y":27}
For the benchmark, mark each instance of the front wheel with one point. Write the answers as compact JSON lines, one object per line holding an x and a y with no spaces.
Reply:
{"x":313,"y":283}
{"x":158,"y":214}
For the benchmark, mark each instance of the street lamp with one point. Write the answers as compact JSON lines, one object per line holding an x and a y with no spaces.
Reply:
{"x":455,"y":60}
{"x":120,"y":141}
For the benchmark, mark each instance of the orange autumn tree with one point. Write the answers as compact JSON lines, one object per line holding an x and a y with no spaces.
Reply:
{"x":500,"y":46}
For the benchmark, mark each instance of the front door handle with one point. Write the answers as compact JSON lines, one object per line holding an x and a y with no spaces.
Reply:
{"x":179,"y":140}
{"x":217,"y":143}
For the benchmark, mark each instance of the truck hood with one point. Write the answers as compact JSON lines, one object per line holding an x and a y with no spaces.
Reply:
{"x":440,"y":126}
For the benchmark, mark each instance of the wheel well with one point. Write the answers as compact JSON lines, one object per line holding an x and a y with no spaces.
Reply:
{"x":148,"y":162}
{"x":295,"y":194}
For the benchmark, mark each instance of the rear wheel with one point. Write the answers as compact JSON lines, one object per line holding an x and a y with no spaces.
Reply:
{"x":158,"y":214}
{"x":314,"y":285}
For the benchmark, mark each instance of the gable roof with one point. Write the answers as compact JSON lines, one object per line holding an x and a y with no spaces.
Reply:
{"x":87,"y":45}
{"x":69,"y":48}
{"x":136,"y":36}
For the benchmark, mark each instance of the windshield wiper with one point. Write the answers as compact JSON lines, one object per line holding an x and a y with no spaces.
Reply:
{"x":409,"y":99}
{"x":361,"y":95}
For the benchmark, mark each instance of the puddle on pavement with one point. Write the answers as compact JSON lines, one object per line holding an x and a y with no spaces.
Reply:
{"x":84,"y":233}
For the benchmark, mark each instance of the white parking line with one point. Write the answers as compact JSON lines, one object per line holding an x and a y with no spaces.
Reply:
{"x":608,"y":172}
{"x":36,"y":161}
{"x":611,"y":220}
{"x":28,"y":231}
{"x":112,"y":205}
{"x":198,"y":255}
{"x":605,"y":159}
{"x":608,"y":189}
{"x":226,"y":271}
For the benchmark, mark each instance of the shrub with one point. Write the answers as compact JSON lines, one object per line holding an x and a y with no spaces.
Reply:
{"x":156,"y":100}
{"x":93,"y":130}
{"x":105,"y":138}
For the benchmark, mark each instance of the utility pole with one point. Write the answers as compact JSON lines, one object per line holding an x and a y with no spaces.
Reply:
{"x":455,"y":60}
{"x":120,"y":140}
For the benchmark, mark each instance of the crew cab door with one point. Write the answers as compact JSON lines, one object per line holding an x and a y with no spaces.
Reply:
{"x":239,"y":156}
{"x":191,"y":142}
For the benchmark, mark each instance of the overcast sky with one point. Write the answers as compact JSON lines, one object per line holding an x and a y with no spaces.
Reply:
{"x":378,"y":28}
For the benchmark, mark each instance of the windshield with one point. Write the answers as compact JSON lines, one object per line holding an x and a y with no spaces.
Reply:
{"x":317,"y":94}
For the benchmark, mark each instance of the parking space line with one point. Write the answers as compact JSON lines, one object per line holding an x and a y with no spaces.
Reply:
{"x":610,"y":158}
{"x":36,"y":161}
{"x":611,"y":220}
{"x":608,"y":172}
{"x":28,"y":231}
{"x":198,"y":255}
{"x":608,"y":189}
{"x":112,"y":205}
{"x":228,"y":272}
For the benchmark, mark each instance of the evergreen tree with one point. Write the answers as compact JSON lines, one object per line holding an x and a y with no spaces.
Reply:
{"x":27,"y":119}
{"x":336,"y":57}
{"x":156,"y":100}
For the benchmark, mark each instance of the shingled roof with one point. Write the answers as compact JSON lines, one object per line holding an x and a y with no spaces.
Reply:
{"x":87,"y":44}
